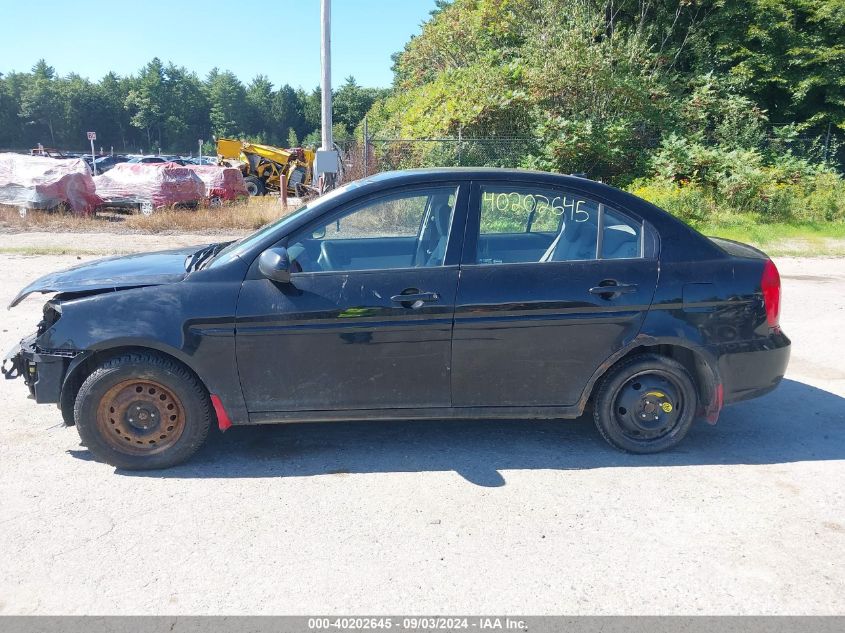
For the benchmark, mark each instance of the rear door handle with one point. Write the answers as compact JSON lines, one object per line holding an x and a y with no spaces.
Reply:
{"x":610,"y":290}
{"x":415,"y":299}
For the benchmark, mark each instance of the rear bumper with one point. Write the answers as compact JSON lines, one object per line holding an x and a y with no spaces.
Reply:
{"x":42,"y":373}
{"x":751,"y":369}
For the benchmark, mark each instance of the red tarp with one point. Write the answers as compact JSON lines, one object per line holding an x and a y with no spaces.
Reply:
{"x":40,"y":182}
{"x":225,"y":183}
{"x":161,"y":184}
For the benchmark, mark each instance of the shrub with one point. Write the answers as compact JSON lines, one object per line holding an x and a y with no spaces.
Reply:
{"x":747,"y":197}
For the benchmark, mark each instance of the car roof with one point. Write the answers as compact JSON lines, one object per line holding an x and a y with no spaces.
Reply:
{"x":411,"y":176}
{"x":465,"y":173}
{"x":415,"y":176}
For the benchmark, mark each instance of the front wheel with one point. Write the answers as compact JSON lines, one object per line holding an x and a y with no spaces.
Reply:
{"x":142,"y":411}
{"x":645,"y":404}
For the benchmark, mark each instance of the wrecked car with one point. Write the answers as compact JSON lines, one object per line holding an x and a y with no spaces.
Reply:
{"x":41,"y":182}
{"x":222,"y":184}
{"x":149,"y":186}
{"x":425,"y":294}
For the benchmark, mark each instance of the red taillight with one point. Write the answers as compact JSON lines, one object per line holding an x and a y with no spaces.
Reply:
{"x":770,"y":284}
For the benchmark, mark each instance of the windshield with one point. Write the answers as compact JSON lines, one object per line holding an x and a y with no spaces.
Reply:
{"x":236,"y":249}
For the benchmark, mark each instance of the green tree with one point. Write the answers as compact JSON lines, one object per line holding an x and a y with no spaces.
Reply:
{"x":9,"y":121}
{"x":78,"y":114}
{"x":259,"y":103}
{"x":287,"y":111}
{"x":562,"y":71}
{"x":788,"y":56}
{"x":146,"y":101}
{"x":352,"y":102}
{"x":186,"y":108}
{"x":40,"y":102}
{"x":311,"y":109}
{"x":227,"y":97}
{"x":113,"y":120}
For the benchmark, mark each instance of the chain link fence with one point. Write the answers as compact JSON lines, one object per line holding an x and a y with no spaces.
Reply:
{"x":362,"y":158}
{"x":386,"y":154}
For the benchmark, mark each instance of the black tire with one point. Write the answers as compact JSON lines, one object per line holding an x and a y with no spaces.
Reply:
{"x":645,"y":404}
{"x":254,"y":186}
{"x":171,"y":409}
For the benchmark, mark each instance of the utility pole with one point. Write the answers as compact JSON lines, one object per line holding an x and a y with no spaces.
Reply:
{"x":326,"y":161}
{"x":326,"y":66}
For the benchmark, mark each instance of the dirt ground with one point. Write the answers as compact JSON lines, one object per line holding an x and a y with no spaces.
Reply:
{"x":746,"y":517}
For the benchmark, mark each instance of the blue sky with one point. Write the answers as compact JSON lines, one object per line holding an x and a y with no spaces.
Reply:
{"x":282,"y":40}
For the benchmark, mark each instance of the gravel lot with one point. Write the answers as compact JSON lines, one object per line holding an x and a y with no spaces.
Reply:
{"x":521,"y":517}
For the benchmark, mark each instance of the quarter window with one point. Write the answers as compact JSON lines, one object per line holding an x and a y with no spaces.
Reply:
{"x":621,"y":237}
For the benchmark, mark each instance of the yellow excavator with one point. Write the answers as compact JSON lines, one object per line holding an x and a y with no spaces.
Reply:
{"x":264,"y":165}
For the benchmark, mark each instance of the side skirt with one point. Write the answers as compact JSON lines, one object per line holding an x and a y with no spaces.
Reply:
{"x":435,"y":413}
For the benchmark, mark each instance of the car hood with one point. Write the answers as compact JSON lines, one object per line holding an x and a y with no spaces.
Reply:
{"x":112,"y":273}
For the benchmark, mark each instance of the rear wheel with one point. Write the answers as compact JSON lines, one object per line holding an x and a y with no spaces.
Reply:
{"x":254,"y":186}
{"x":646,"y":404}
{"x":142,"y":411}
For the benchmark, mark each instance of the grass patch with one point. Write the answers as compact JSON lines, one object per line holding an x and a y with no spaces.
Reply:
{"x":246,"y":217}
{"x":778,"y":239}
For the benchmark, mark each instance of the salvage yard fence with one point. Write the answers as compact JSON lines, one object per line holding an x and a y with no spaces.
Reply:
{"x":368,"y":155}
{"x":363,"y":158}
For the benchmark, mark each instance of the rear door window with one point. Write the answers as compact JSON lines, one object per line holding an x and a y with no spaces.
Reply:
{"x":521,"y":223}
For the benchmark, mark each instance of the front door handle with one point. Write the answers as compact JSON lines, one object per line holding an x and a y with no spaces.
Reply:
{"x":414,"y":298}
{"x":610,"y":289}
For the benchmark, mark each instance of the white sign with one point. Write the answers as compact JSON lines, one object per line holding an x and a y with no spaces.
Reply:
{"x":92,"y":136}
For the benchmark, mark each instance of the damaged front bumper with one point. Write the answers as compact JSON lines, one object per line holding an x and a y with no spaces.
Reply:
{"x":42,"y":372}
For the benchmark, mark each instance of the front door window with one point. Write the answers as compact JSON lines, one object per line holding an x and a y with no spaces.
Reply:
{"x":401,"y":230}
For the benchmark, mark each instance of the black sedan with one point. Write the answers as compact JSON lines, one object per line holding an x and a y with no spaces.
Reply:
{"x":430,"y":294}
{"x":104,"y":163}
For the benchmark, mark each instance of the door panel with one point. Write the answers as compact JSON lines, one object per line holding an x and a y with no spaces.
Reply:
{"x":338,"y":341}
{"x":533,"y":334}
{"x":366,"y":323}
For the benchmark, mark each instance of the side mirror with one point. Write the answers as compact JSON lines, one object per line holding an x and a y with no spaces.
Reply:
{"x":274,"y":264}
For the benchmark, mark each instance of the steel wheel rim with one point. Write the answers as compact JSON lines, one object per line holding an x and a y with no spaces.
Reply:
{"x":648,"y":406}
{"x":140,"y":417}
